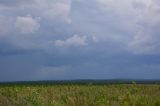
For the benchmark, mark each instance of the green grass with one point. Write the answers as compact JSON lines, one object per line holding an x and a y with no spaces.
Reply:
{"x":81,"y":95}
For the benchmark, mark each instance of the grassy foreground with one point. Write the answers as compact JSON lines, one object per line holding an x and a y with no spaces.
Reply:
{"x":80,"y":95}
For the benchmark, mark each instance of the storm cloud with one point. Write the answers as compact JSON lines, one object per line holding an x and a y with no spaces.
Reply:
{"x":78,"y":39}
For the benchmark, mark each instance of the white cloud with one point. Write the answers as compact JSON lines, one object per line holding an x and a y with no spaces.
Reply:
{"x":75,"y":40}
{"x":48,"y":9}
{"x":59,"y":43}
{"x":53,"y":9}
{"x":27,"y":24}
{"x":145,"y":42}
{"x":141,"y":44}
{"x":125,"y":8}
{"x":146,"y":39}
{"x":143,"y":17}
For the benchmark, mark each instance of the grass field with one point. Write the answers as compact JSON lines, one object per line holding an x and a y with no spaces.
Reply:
{"x":81,"y":95}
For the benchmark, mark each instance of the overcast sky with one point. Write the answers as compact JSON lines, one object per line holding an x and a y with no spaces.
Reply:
{"x":79,"y":39}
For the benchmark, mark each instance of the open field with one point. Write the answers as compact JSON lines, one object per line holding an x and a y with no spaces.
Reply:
{"x":80,"y":95}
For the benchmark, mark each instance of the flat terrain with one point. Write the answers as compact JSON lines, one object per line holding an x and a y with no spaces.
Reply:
{"x":80,"y":95}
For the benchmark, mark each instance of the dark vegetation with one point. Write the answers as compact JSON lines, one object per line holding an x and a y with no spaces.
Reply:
{"x":81,"y":93}
{"x":80,"y":82}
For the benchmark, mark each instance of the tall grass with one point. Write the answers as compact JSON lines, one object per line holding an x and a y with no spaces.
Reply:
{"x":80,"y":95}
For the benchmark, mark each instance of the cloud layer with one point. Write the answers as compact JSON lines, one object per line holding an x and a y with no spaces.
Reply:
{"x":79,"y":39}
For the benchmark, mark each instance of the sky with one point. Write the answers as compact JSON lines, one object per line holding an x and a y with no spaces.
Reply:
{"x":79,"y":39}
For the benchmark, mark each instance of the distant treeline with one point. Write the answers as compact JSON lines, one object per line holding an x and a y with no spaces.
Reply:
{"x":81,"y":82}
